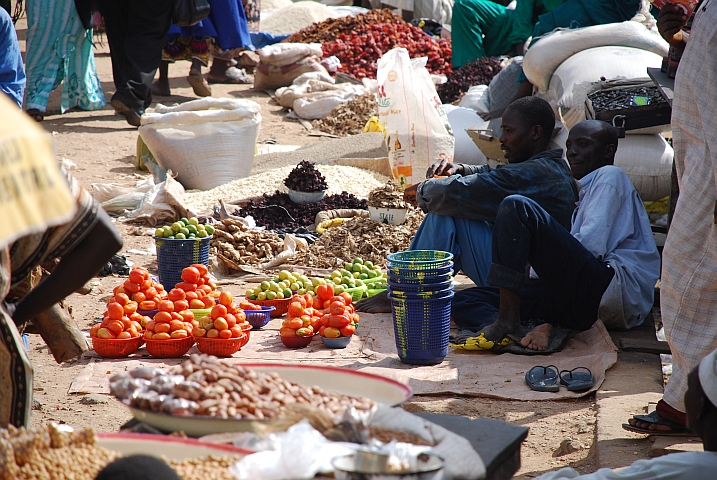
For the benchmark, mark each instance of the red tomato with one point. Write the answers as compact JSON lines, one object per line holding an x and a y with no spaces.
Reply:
{"x":139,"y":297}
{"x":325,"y":292}
{"x":331,"y":332}
{"x":201,"y":268}
{"x":196,"y":304}
{"x":300,"y":299}
{"x":338,"y":321}
{"x":115,"y":311}
{"x":136,"y":276}
{"x":176,"y":325}
{"x":182,"y":333}
{"x":130,"y":287}
{"x":236,"y":331}
{"x":347,"y":297}
{"x":208,"y":302}
{"x":296,"y":309}
{"x":176,"y":294}
{"x":322,"y":329}
{"x":166,"y":306}
{"x":226,"y":299}
{"x":304,"y":332}
{"x":225,"y":334}
{"x":148,"y":305}
{"x":294,"y":323}
{"x":151,"y":293}
{"x":130,"y":308}
{"x":180,"y":305}
{"x":121,"y":298}
{"x":190,"y":275}
{"x":348,"y":330}
{"x":163,"y":317}
{"x":337,"y":308}
{"x":187,"y":315}
{"x":287,"y":332}
{"x":218,"y":311}
{"x":187,"y":286}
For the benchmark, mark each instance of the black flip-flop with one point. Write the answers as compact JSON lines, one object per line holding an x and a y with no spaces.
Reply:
{"x":676,"y":429}
{"x":543,"y":379}
{"x":576,"y":381}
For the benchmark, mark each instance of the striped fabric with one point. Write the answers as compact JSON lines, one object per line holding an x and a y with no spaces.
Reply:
{"x":689,"y":275}
{"x":59,"y":48}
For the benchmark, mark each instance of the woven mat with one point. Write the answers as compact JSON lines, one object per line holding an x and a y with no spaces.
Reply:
{"x":373,"y":350}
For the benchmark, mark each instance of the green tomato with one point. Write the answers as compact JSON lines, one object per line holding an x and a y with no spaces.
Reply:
{"x":159,"y":232}
{"x":338,"y":289}
{"x":368,"y":263}
{"x":253,"y":297}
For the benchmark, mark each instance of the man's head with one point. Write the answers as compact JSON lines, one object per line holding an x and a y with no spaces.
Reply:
{"x":591,"y":144}
{"x":527,"y":126}
{"x":701,"y":401}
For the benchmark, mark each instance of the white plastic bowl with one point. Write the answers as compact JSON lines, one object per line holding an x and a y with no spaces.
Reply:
{"x":302,"y":198}
{"x":392,"y":216}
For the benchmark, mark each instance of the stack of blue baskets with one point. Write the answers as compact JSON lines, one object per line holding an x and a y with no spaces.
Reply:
{"x":174,"y":255}
{"x":420,"y":289}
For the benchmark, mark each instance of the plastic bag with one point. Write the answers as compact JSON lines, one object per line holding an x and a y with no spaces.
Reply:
{"x":417,"y":131}
{"x":283,"y":54}
{"x":163,"y":203}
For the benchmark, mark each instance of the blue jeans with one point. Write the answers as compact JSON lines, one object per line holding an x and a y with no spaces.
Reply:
{"x":468,"y":240}
{"x":572,"y":281}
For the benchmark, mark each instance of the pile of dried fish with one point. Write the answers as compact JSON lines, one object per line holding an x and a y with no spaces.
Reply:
{"x":349,"y":118}
{"x":360,"y":237}
{"x":387,"y":196}
{"x":235,"y":244}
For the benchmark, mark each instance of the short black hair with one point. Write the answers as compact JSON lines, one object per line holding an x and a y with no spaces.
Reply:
{"x":536,"y":111}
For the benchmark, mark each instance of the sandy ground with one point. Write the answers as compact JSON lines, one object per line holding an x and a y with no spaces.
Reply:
{"x":103,"y":147}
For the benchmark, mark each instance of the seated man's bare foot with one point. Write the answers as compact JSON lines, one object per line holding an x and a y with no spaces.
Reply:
{"x":538,"y":338}
{"x":377,"y":304}
{"x":496,"y":332}
{"x":649,"y":425}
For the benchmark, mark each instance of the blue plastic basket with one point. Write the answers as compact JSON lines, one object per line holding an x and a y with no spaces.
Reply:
{"x":427,"y":295}
{"x":421,"y":329}
{"x":398,"y":270}
{"x":419,"y":287}
{"x":416,"y":278}
{"x":259,"y":318}
{"x":175,"y":255}
{"x":420,"y":259}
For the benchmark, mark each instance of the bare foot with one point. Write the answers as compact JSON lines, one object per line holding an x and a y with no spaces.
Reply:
{"x":538,"y":338}
{"x":376,"y":304}
{"x":649,"y":425}
{"x":497,"y":331}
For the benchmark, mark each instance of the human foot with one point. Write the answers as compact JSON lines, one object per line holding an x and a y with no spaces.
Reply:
{"x":199,"y":84}
{"x":36,"y":114}
{"x":538,"y":338}
{"x":377,"y":304}
{"x":655,"y":422}
{"x":160,"y":89}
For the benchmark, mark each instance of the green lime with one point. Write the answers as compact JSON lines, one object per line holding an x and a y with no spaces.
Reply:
{"x":253,"y":297}
{"x":356,"y":274}
{"x":372,"y":274}
{"x":191,"y":236}
{"x":359,"y":282}
{"x":270,"y":295}
{"x":167,"y":231}
{"x":202,"y":234}
{"x":262,"y":296}
{"x":348,"y":266}
{"x":209,"y":229}
{"x":180,"y":236}
{"x":358,"y":260}
{"x":184,"y":221}
{"x":249,"y":293}
{"x":194,"y":221}
{"x":287,"y":293}
{"x":265,"y":285}
{"x":159,"y":232}
{"x":301,"y":291}
{"x":192,"y":228}
{"x":368,"y":263}
{"x":176,"y":226}
{"x":357,"y":268}
{"x":338,"y":289}
{"x":171,"y":237}
{"x":184,"y":231}
{"x":294,"y":286}
{"x":284,"y":274}
{"x":363,"y":276}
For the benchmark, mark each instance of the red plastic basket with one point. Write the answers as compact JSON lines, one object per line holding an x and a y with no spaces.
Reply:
{"x":116,"y":348}
{"x":221,"y":347}
{"x":247,"y":331}
{"x":281,"y":305}
{"x":174,"y":347}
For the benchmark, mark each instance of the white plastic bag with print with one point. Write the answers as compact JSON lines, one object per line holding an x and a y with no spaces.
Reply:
{"x":416,"y":127}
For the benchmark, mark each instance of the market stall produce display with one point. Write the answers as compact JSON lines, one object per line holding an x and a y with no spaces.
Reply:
{"x":236,"y":244}
{"x":329,"y":30}
{"x":305,"y":178}
{"x":478,"y":72}
{"x":349,"y":118}
{"x":360,"y":237}
{"x":185,"y":228}
{"x":203,"y":386}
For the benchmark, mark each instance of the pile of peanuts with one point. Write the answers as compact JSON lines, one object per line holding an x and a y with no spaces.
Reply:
{"x":204,"y":386}
{"x":57,"y":452}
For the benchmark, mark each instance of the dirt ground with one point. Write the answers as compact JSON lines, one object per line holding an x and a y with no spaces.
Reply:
{"x":102,"y":146}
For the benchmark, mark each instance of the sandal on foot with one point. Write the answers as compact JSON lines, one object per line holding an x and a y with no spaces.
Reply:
{"x":543,"y":379}
{"x":199,"y":85}
{"x":36,"y":114}
{"x":675,"y":429}
{"x":577,"y":379}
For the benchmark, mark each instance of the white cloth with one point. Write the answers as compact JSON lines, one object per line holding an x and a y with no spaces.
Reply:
{"x":689,"y":274}
{"x":611,"y":222}
{"x":677,"y":466}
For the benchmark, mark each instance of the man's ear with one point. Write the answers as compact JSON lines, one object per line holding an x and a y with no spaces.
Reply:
{"x":536,"y":132}
{"x":610,"y":153}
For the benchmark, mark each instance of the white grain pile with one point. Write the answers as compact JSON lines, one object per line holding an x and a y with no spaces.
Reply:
{"x":339,"y":179}
{"x":274,"y":5}
{"x":295,"y":17}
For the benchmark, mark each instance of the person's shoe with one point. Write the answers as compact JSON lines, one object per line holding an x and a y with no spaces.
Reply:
{"x":132,"y":117}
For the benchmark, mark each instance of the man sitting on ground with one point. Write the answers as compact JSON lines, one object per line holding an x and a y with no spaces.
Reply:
{"x":605,"y":267}
{"x":701,"y":407}
{"x":462,"y":207}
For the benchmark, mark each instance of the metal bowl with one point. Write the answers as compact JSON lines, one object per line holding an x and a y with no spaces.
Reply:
{"x":302,"y":198}
{"x":430,"y":467}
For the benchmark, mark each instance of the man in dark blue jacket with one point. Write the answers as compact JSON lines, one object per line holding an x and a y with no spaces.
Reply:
{"x":462,"y":207}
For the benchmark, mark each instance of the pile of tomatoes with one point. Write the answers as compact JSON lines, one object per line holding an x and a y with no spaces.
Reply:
{"x":226,"y":320}
{"x":327,"y":314}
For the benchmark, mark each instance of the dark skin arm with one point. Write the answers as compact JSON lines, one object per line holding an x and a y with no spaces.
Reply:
{"x":670,"y":21}
{"x":73,"y":271}
{"x":442,"y":168}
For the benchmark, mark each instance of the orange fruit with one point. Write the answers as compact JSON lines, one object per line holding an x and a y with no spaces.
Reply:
{"x":212,"y":333}
{"x":163,"y":317}
{"x":226,"y":299}
{"x":166,"y":306}
{"x":124,"y":335}
{"x":176,"y":294}
{"x":190,"y":275}
{"x":179,"y":334}
{"x":162,"y":328}
{"x":161,"y":336}
{"x":176,"y":325}
{"x":115,"y":310}
{"x":225,"y":334}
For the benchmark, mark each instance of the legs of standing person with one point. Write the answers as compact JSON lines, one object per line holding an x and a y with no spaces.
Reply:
{"x":468,"y":240}
{"x":575,"y":280}
{"x":12,"y":71}
{"x":471,"y":21}
{"x":136,"y":31}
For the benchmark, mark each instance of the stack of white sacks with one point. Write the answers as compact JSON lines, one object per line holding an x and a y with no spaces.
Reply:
{"x":565,"y":66}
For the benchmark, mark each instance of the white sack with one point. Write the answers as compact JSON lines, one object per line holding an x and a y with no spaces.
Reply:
{"x":465,"y":151}
{"x":543,"y":58}
{"x":476,"y":98}
{"x":208,"y":142}
{"x":282,"y":54}
{"x":647,"y":160}
{"x":567,"y":93}
{"x":416,"y":127}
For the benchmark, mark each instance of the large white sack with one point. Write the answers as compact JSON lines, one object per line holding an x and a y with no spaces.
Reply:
{"x":282,"y":54}
{"x":569,"y":87}
{"x":647,"y":160}
{"x":476,"y":98}
{"x":465,"y":151}
{"x":208,"y":142}
{"x":542,"y":59}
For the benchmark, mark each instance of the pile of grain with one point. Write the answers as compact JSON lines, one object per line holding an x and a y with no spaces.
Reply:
{"x":295,"y":17}
{"x":339,"y":178}
{"x":275,"y":4}
{"x":349,"y":118}
{"x":360,"y":237}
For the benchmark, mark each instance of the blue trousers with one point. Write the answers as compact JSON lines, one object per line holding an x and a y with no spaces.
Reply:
{"x":468,"y":240}
{"x":572,"y":281}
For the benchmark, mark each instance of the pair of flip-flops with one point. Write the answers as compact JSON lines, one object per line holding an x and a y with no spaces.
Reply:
{"x":545,"y":379}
